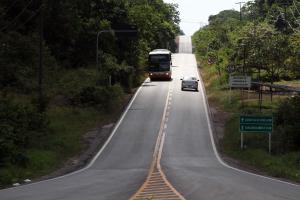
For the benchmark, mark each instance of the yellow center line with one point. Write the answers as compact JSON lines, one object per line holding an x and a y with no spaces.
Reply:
{"x":156,"y":177}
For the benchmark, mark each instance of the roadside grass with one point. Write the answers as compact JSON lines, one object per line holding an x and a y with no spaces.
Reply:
{"x":41,"y":163}
{"x":255,"y":154}
{"x":68,"y":125}
{"x":294,"y":83}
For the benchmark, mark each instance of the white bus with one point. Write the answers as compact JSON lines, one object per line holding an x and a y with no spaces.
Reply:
{"x":160,"y":64}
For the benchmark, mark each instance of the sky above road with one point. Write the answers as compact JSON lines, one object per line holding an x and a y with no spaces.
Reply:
{"x":195,"y":13}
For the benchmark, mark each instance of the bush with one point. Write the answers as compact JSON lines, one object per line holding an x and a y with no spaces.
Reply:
{"x":21,"y":127}
{"x":71,"y":82}
{"x":113,"y":97}
{"x":104,"y":98}
{"x":287,"y":121}
{"x":79,"y":88}
{"x":19,"y":58}
{"x":6,"y":177}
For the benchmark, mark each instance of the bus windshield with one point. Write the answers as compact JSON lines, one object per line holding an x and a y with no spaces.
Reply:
{"x":154,"y":59}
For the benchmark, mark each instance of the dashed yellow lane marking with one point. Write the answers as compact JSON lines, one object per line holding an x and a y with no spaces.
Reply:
{"x":156,"y":186}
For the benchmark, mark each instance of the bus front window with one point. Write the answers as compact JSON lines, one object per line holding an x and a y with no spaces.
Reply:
{"x":154,"y":59}
{"x":164,"y":66}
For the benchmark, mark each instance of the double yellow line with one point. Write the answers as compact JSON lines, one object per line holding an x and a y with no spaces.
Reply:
{"x":156,"y":185}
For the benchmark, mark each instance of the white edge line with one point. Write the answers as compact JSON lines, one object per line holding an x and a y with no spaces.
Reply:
{"x":214,"y":145}
{"x":95,"y":157}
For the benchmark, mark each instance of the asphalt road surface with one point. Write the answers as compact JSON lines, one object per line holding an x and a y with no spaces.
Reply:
{"x":189,"y":159}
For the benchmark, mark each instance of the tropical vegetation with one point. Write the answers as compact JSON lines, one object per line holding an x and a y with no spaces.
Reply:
{"x":261,"y":41}
{"x":49,"y":81}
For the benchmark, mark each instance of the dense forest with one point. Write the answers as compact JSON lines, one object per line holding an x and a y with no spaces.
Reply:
{"x":261,"y":41}
{"x":48,"y":64}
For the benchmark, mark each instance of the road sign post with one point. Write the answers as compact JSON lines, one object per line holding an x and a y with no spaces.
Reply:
{"x":270,"y":135}
{"x":242,"y":140}
{"x":256,"y":124}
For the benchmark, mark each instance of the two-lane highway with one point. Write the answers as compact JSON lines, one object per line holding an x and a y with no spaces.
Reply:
{"x":187,"y":162}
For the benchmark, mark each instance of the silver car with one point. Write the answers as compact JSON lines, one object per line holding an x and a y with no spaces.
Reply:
{"x":189,"y":82}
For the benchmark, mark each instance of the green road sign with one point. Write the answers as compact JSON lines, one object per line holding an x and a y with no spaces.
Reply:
{"x":263,"y":124}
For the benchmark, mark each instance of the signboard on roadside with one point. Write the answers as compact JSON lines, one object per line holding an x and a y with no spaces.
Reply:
{"x":239,"y":81}
{"x":256,"y":124}
{"x":261,"y":124}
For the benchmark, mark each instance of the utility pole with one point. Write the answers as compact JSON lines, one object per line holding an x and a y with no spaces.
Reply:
{"x":244,"y":63}
{"x":241,"y":3}
{"x":40,"y":69}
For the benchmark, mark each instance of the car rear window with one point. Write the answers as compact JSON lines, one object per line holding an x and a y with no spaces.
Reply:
{"x":190,"y":78}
